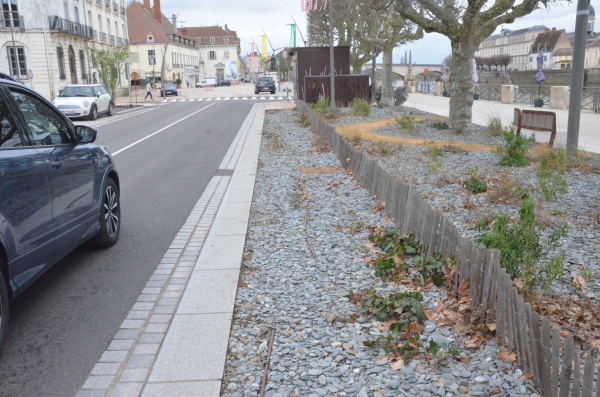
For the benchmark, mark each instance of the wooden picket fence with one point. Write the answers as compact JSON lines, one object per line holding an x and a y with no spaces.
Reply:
{"x":520,"y":330}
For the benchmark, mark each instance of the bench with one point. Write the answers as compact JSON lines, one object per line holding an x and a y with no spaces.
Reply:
{"x":536,"y":120}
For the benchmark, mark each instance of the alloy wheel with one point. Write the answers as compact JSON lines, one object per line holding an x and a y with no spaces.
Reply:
{"x":111,"y":211}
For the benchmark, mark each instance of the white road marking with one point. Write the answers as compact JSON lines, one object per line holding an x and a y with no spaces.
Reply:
{"x":161,"y":130}
{"x":244,"y":99}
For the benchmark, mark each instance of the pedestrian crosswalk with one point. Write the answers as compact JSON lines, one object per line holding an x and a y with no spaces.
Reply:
{"x":253,"y":98}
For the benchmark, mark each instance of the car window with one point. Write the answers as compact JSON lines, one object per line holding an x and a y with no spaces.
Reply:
{"x":46,"y":125}
{"x":97,"y":91}
{"x":265,"y":79}
{"x":74,"y":91}
{"x":103,"y":90}
{"x":9,"y":136}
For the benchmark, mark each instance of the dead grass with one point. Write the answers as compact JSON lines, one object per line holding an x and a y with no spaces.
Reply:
{"x":504,"y":189}
{"x":319,"y":170}
{"x":321,"y":144}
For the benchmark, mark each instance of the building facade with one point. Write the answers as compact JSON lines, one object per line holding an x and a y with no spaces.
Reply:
{"x":515,"y":43}
{"x":45,"y":43}
{"x":556,"y":47}
{"x":592,"y":54}
{"x":149,"y":33}
{"x":219,"y":51}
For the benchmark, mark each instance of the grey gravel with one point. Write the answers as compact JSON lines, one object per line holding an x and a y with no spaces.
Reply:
{"x":317,"y":351}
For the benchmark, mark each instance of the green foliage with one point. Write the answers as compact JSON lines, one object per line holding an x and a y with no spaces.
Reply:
{"x":389,"y":265}
{"x":404,"y":307}
{"x":588,"y":275}
{"x":432,"y":267}
{"x":525,"y":254}
{"x":178,"y":82}
{"x":406,"y":122}
{"x":433,"y":159}
{"x":322,"y":106}
{"x":108,"y":62}
{"x":442,"y":350}
{"x":474,"y":184}
{"x":360,"y":107}
{"x":304,"y":121}
{"x":441,"y":126}
{"x":514,"y":151}
{"x":551,"y":173}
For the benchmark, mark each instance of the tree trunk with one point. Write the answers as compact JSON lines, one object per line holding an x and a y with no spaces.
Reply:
{"x":356,"y":64}
{"x":461,"y":84}
{"x":387,"y":91}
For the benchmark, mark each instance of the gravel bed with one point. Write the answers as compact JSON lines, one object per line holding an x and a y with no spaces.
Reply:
{"x":318,"y":351}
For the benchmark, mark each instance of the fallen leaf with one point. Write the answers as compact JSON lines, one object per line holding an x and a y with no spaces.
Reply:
{"x":335,"y":184}
{"x":420,"y":368}
{"x":464,"y":359}
{"x":460,"y":325}
{"x":566,"y":334}
{"x":430,"y":315}
{"x":463,"y":289}
{"x":306,"y":195}
{"x":398,"y":365}
{"x":519,"y":283}
{"x":506,"y":356}
{"x":491,"y":327}
{"x":384,"y":326}
{"x":578,"y":281}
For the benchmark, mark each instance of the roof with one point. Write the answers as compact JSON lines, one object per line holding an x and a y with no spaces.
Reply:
{"x":590,"y":37}
{"x":595,"y":43}
{"x":141,"y":23}
{"x":547,"y":40}
{"x":206,"y":32}
{"x":518,"y":32}
{"x":592,"y":11}
{"x":563,"y":52}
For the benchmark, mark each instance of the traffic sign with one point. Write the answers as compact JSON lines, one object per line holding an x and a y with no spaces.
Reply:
{"x":135,"y":75}
{"x":30,"y":74}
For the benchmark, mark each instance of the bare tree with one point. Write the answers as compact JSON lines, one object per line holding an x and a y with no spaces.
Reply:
{"x":504,"y":60}
{"x":466,"y":23}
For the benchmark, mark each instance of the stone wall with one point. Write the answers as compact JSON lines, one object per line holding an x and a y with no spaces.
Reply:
{"x":553,"y":77}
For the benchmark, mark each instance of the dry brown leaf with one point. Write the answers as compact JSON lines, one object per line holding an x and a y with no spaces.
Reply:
{"x":565,"y":334}
{"x":420,"y":367}
{"x":368,"y":259}
{"x":306,"y":195}
{"x":398,"y":365}
{"x":464,"y":359}
{"x":384,"y":326}
{"x":519,"y":283}
{"x":491,"y":327}
{"x":506,"y":356}
{"x":460,"y":325}
{"x":596,"y":344}
{"x":578,"y":281}
{"x":430,"y":315}
{"x":452,"y":316}
{"x":463,"y":289}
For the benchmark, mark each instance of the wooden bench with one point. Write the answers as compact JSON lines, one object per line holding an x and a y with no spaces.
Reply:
{"x":536,"y":120}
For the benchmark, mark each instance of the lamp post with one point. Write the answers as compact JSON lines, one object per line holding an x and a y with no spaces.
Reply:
{"x":331,"y":58}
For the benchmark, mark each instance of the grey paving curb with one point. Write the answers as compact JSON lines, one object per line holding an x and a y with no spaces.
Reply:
{"x":173,"y":316}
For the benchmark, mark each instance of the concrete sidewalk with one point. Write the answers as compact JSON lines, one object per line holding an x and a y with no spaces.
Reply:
{"x":174,"y":340}
{"x":589,"y":129}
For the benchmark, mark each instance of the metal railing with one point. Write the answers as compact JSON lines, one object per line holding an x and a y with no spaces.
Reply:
{"x":115,"y":7}
{"x":122,"y":10}
{"x":17,"y":21}
{"x":425,"y":87}
{"x":112,"y":39}
{"x":119,"y":40}
{"x":590,"y":100}
{"x":66,"y":26}
{"x":103,"y":37}
{"x":526,"y":95}
{"x":490,"y":92}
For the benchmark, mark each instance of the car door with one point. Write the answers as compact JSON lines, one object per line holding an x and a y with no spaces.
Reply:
{"x":27,"y":230}
{"x":101,"y":100}
{"x":71,"y":168}
{"x":105,"y":97}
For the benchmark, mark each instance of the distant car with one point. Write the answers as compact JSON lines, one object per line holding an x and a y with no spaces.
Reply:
{"x":57,"y":191}
{"x":210,"y":82}
{"x":222,"y":83}
{"x":84,"y":100}
{"x":247,"y":79}
{"x":169,"y":89}
{"x":264,"y":84}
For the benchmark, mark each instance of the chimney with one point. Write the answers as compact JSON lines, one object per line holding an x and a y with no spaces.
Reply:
{"x":147,"y":5}
{"x":554,"y":29}
{"x":157,"y":13}
{"x":225,"y":26}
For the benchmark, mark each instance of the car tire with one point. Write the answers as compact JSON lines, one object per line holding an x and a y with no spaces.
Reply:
{"x":4,"y":309}
{"x":110,"y":216}
{"x":111,"y":109}
{"x":273,"y":92}
{"x":93,"y":113}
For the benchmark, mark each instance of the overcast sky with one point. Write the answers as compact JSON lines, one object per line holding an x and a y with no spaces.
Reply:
{"x":250,"y":17}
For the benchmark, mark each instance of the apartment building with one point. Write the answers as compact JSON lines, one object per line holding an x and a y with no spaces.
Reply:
{"x":149,"y":32}
{"x":45,"y":43}
{"x":515,"y":43}
{"x":219,"y":51}
{"x":556,"y":47}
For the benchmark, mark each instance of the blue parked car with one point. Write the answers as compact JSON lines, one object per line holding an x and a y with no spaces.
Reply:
{"x":57,"y":190}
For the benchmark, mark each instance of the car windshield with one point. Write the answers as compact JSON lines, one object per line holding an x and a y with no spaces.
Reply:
{"x":169,"y":85}
{"x":265,"y":79}
{"x":77,"y":91}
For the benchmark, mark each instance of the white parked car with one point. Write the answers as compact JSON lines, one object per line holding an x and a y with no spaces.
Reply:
{"x":84,"y":100}
{"x":206,"y":83}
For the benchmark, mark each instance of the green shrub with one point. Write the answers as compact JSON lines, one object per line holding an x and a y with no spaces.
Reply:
{"x":551,"y":174}
{"x":433,"y":159}
{"x":322,"y":106}
{"x":406,"y":122}
{"x":525,"y":254}
{"x":385,"y":148}
{"x":441,"y":126}
{"x":474,"y":184}
{"x":514,"y":151}
{"x":494,"y":127}
{"x":360,"y":107}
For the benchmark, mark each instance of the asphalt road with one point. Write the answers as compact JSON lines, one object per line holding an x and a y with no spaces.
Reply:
{"x":60,"y":326}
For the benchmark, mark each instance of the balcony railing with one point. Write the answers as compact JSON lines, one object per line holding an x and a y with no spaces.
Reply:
{"x":107,"y":3}
{"x":16,"y":19}
{"x":99,"y":2}
{"x":96,"y":35}
{"x":112,"y":39}
{"x":119,"y":41}
{"x":115,"y":7}
{"x":122,"y":10}
{"x":103,"y":37}
{"x":70,"y":27}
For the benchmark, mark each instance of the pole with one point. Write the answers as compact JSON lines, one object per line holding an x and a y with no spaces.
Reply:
{"x":577,"y":76}
{"x":162,"y":68}
{"x":373,"y":59}
{"x":331,"y":58}
{"x":50,"y":78}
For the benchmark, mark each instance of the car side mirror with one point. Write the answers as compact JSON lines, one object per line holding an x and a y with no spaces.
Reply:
{"x":85,"y":134}
{"x":97,"y":95}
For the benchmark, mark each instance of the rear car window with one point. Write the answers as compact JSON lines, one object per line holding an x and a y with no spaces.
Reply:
{"x":9,"y":136}
{"x":265,"y":79}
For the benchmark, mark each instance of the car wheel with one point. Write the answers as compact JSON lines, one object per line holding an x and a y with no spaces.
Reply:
{"x":93,"y":113}
{"x":3,"y":308}
{"x":111,"y":109}
{"x":110,"y":217}
{"x":273,"y":92}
